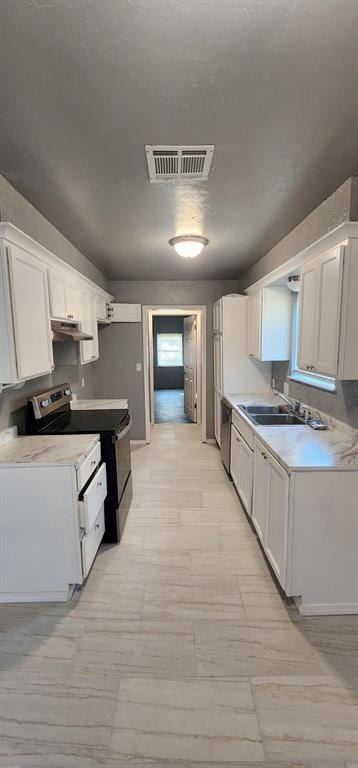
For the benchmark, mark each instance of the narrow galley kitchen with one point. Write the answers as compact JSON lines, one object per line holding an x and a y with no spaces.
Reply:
{"x":178,"y":384}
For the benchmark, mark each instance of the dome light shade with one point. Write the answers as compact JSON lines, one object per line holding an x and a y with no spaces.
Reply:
{"x":188,"y":246}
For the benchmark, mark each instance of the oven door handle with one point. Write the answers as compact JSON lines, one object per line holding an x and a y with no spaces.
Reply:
{"x":119,"y":435}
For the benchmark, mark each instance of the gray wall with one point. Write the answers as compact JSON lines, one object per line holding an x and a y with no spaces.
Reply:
{"x":167,"y":377}
{"x":122,"y":343}
{"x":341,"y":206}
{"x":18,"y":211}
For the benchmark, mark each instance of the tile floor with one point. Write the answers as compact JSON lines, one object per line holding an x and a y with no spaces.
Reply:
{"x":169,"y":406}
{"x":180,"y":651}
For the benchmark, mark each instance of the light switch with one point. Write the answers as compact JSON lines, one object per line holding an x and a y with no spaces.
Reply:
{"x":83,"y":381}
{"x":138,"y":367}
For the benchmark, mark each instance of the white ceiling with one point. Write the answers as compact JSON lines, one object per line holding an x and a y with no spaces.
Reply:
{"x":85,"y":84}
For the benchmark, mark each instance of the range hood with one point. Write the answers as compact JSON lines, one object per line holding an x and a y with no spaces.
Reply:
{"x":64,"y":331}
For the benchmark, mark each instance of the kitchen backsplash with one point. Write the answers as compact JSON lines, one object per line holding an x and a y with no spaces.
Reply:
{"x":342,"y":404}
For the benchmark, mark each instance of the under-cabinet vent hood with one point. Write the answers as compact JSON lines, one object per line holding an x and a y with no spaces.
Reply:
{"x":178,"y":163}
{"x":64,"y":331}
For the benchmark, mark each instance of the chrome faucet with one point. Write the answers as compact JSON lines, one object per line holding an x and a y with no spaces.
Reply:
{"x":297,"y":405}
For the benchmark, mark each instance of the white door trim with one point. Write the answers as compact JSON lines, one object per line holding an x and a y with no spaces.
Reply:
{"x":148,"y":312}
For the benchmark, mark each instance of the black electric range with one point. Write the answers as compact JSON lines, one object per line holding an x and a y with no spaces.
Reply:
{"x":50,"y":413}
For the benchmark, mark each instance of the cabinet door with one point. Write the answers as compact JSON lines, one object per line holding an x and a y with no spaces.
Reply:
{"x":260,"y":494}
{"x":328,"y":312}
{"x":218,"y":343}
{"x":102,"y":313}
{"x":57,"y":290}
{"x":217,"y":316}
{"x":235,"y":457}
{"x":89,"y":349}
{"x":73,"y":301}
{"x":277,"y":519}
{"x":217,"y":416}
{"x":245,"y":474}
{"x":254,"y":326}
{"x":31,"y":314}
{"x":307,"y":315}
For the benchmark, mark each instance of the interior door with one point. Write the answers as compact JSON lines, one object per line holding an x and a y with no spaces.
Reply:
{"x":190,"y":367}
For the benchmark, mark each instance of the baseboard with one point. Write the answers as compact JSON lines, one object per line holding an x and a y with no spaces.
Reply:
{"x":138,"y":442}
{"x":326,"y":609}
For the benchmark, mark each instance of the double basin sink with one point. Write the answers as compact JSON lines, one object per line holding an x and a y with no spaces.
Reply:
{"x":272,"y":415}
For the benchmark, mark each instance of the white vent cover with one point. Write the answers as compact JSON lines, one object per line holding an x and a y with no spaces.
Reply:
{"x":185,"y":163}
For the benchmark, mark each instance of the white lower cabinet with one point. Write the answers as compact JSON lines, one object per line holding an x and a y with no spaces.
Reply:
{"x":270,"y":509}
{"x":307,"y":524}
{"x":217,"y":417}
{"x":241,"y":468}
{"x":50,"y":533}
{"x":260,"y":492}
{"x":277,"y":518}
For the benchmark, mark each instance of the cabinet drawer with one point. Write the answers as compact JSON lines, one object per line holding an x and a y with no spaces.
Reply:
{"x":88,"y":466}
{"x":93,"y":498}
{"x":243,"y":429}
{"x":91,"y":541}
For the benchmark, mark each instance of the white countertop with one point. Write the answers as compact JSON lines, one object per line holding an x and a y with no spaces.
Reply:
{"x":94,"y":405}
{"x":48,"y":450}
{"x":300,"y":448}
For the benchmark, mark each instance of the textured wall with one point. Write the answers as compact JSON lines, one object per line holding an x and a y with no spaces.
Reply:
{"x":342,"y":404}
{"x":18,"y":211}
{"x":341,"y":206}
{"x":122,"y":343}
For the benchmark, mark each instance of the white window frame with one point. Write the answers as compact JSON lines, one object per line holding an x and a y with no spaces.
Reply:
{"x":168,"y":364}
{"x":297,"y":374}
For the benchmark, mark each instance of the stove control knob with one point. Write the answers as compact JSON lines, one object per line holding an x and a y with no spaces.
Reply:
{"x":45,"y":403}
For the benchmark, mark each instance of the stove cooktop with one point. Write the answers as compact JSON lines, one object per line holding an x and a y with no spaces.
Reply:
{"x":84,"y":422}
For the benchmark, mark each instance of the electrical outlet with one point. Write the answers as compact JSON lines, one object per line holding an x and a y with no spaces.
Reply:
{"x":83,"y":381}
{"x":286,"y":388}
{"x":273,"y":382}
{"x":138,"y":367}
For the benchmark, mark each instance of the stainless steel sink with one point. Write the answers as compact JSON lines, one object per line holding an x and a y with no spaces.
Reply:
{"x":264,"y":408}
{"x":276,"y":419}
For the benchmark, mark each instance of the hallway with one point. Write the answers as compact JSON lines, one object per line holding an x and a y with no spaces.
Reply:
{"x":169,"y":406}
{"x":179,"y":651}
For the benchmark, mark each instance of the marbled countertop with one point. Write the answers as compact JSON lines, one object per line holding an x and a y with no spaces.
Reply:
{"x":48,"y":449}
{"x":300,"y":448}
{"x":94,"y":405}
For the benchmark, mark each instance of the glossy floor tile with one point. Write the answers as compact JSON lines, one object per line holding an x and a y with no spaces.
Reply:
{"x":180,"y":651}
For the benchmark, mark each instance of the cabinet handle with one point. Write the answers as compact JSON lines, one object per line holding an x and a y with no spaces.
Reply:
{"x":264,"y":455}
{"x":97,"y":526}
{"x":99,"y":484}
{"x":93,"y":462}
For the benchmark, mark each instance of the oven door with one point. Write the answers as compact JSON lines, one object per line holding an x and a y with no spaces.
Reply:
{"x":123,"y":456}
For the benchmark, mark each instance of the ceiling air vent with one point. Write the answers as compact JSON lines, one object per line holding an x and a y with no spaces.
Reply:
{"x":178,"y":163}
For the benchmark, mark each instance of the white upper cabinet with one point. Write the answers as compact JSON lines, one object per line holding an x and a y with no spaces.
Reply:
{"x":320,"y":313}
{"x":269,"y":324}
{"x":25,"y":317}
{"x":89,"y":350}
{"x":65,"y":297}
{"x":102,"y":309}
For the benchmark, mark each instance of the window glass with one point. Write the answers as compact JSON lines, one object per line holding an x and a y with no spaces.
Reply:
{"x":169,"y":349}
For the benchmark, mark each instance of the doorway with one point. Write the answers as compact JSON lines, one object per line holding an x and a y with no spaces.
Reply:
{"x":169,"y":356}
{"x":174,"y":341}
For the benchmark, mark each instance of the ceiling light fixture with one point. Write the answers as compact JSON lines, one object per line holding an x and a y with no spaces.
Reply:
{"x":188,"y":246}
